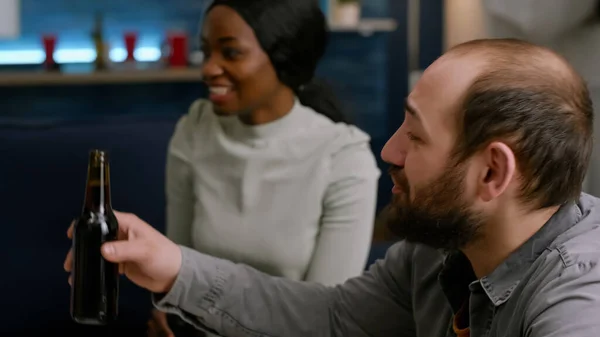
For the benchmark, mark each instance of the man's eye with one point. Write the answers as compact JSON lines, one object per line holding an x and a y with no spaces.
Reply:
{"x":412,"y":136}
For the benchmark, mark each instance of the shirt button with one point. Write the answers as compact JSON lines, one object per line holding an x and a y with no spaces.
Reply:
{"x":212,"y":310}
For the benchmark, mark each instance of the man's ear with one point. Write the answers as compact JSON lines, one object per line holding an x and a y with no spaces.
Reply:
{"x":498,"y":170}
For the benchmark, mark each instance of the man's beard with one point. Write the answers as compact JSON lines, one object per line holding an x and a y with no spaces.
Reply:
{"x":438,"y":216}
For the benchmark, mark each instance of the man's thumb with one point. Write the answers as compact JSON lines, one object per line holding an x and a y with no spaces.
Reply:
{"x":124,"y":251}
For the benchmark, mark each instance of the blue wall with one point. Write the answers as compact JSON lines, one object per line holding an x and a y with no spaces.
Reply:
{"x":72,"y":20}
{"x":431,"y":31}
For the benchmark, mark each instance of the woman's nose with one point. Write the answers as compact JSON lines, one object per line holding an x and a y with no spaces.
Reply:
{"x":211,"y":68}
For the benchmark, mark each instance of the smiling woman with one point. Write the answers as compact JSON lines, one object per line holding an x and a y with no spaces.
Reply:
{"x":267,"y":172}
{"x":260,"y":52}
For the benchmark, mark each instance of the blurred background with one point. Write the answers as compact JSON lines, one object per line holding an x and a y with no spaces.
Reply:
{"x":76,"y":75}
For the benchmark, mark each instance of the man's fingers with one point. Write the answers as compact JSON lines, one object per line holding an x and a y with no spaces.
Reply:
{"x":68,"y":261}
{"x":131,"y":226}
{"x":152,"y":331}
{"x":160,"y":319}
{"x":125,"y":251}
{"x":127,"y":220}
{"x":70,"y":230}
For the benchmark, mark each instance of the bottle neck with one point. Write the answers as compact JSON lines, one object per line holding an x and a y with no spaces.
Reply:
{"x":97,"y":191}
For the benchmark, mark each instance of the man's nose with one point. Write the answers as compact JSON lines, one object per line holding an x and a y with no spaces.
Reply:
{"x":394,"y":151}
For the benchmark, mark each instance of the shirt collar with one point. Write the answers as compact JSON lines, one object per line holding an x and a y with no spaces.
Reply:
{"x":457,"y":274}
{"x":290,"y":122}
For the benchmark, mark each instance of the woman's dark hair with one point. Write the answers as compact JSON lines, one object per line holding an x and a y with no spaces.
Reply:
{"x":294,"y":34}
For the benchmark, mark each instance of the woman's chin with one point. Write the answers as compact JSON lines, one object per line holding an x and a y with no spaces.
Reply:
{"x":225,"y":110}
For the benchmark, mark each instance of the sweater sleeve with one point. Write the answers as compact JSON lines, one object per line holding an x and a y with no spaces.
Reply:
{"x":179,"y":185}
{"x":542,"y":20}
{"x":346,"y":227}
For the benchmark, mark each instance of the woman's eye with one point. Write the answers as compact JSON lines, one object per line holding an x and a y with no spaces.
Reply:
{"x":230,"y":52}
{"x":205,"y":52}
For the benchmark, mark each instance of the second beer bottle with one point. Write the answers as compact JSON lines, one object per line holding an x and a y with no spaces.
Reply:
{"x":95,"y":289}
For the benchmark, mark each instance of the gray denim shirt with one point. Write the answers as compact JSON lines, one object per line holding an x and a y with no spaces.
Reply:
{"x":549,"y":287}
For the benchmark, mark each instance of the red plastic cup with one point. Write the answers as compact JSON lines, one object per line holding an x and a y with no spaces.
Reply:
{"x":49,"y":42}
{"x":179,"y":50}
{"x":130,"y":41}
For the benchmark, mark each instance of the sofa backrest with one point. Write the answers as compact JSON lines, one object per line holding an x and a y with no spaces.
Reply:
{"x":42,"y":181}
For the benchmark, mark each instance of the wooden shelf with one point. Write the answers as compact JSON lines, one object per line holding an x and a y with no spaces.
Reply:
{"x":15,"y":79}
{"x":367,"y":26}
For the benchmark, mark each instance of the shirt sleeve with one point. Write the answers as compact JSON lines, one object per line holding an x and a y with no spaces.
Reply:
{"x":235,"y":300}
{"x":567,"y":304}
{"x":346,"y":228}
{"x":179,"y":184}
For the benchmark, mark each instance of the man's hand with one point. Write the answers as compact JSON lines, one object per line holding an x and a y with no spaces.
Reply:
{"x":145,"y":256}
{"x":158,"y":325}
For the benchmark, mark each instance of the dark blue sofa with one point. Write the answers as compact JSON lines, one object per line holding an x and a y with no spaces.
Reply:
{"x":42,"y":180}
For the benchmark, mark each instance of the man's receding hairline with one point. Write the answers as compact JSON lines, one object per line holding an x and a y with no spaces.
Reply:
{"x":531,"y":62}
{"x":509,"y":64}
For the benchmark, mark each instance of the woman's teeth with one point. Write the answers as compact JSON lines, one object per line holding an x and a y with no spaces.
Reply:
{"x":218,"y":90}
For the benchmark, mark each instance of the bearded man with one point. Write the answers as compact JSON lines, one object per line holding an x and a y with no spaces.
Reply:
{"x":498,"y":239}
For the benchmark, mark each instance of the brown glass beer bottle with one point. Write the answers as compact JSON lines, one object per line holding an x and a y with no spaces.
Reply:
{"x":95,"y":289}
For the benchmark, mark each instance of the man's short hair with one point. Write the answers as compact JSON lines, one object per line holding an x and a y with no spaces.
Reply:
{"x":532,"y":100}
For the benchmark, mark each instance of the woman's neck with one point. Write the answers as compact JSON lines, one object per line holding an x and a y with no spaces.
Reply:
{"x":277,"y":106}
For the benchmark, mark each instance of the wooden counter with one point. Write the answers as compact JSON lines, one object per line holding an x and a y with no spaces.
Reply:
{"x":108,"y":77}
